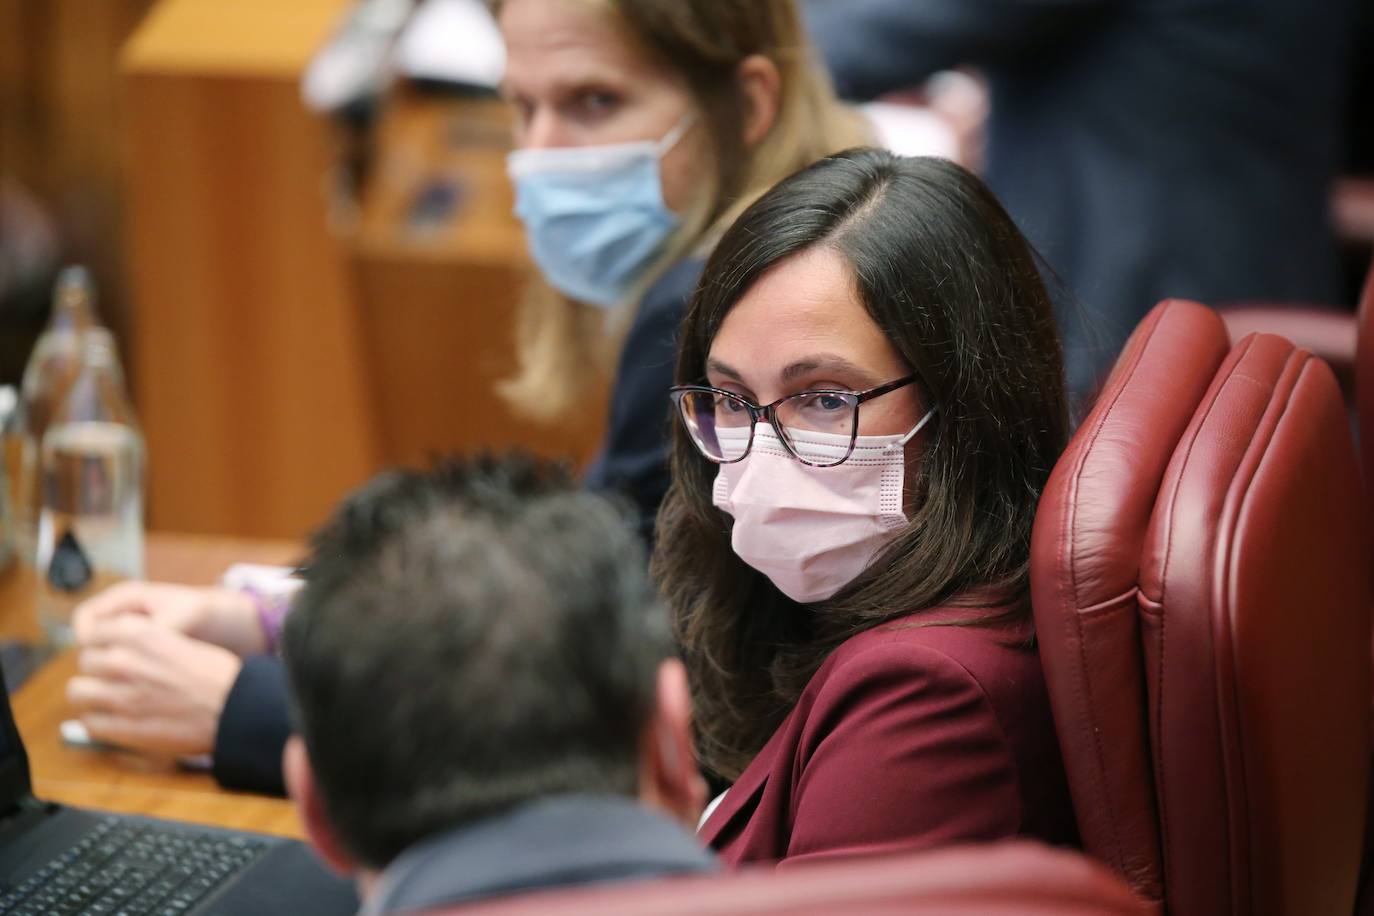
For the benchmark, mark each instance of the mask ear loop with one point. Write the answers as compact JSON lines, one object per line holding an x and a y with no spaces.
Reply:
{"x":915,"y":429}
{"x":671,"y":138}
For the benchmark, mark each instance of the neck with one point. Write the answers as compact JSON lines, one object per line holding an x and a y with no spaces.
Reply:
{"x":366,"y":880}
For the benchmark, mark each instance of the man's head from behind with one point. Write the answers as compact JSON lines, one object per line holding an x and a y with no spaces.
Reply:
{"x":469,"y":639}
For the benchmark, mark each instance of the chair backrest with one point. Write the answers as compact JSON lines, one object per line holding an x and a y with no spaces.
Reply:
{"x":1203,"y":611}
{"x":1364,"y":383}
{"x":1086,"y":549}
{"x":1021,"y":878}
{"x":1255,"y":605}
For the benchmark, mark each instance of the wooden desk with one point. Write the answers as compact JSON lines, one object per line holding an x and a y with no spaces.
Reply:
{"x":126,"y":782}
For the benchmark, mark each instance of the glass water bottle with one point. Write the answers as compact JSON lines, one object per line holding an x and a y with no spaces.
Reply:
{"x":53,"y":365}
{"x":91,"y":467}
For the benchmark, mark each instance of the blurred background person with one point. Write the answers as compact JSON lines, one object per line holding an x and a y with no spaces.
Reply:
{"x":643,"y":127}
{"x":726,"y":96}
{"x":487,"y":585}
{"x":28,"y":261}
{"x":1147,"y":149}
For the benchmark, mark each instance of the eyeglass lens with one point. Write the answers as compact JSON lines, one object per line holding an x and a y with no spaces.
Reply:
{"x":720,"y":424}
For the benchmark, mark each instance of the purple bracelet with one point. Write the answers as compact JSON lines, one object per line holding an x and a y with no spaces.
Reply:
{"x":272,"y":609}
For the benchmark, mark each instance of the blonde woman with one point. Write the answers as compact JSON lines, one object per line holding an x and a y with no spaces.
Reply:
{"x":643,"y":127}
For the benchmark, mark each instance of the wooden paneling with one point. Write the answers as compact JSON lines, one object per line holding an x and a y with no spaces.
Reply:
{"x":258,"y":38}
{"x":289,"y":343}
{"x":59,"y":125}
{"x":439,"y":296}
{"x":441,"y":339}
{"x":252,"y":380}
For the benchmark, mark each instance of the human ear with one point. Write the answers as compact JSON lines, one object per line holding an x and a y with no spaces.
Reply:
{"x":669,"y":778}
{"x":304,"y":792}
{"x":760,"y":86}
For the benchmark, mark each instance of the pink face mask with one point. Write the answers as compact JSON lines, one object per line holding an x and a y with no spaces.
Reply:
{"x":812,"y":530}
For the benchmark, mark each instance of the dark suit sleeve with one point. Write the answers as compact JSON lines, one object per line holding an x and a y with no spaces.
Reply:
{"x":253,"y":728}
{"x":872,"y":47}
{"x":902,"y":751}
{"x":634,"y":456}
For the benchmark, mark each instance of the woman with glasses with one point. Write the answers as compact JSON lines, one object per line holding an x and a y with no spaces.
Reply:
{"x":870,"y":399}
{"x":642,"y":128}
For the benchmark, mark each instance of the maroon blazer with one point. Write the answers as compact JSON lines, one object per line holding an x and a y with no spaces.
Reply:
{"x":906,"y":737}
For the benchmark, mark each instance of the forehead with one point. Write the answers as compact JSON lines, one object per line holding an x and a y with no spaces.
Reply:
{"x":805,"y":304}
{"x":550,"y":42}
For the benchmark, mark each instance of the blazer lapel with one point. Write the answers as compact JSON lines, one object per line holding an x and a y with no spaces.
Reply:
{"x":745,"y":789}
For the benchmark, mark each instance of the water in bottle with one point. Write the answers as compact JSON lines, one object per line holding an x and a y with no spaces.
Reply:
{"x":11,"y":453}
{"x":52,"y":367}
{"x":90,"y":528}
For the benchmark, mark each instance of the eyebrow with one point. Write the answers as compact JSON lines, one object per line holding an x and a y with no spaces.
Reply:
{"x":827,"y":362}
{"x":602,"y":78}
{"x":720,"y":368}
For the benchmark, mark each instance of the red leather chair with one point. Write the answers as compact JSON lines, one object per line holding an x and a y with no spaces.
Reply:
{"x":1326,"y":332}
{"x":1199,"y":575}
{"x":1019,"y":878}
{"x":1085,"y":566}
{"x":1364,"y":384}
{"x":1331,"y":333}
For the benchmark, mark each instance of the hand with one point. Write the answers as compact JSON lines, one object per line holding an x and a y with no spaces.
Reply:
{"x":214,"y":615}
{"x":151,"y":688}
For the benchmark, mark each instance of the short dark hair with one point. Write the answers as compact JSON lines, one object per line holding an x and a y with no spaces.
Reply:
{"x":469,"y":638}
{"x":944,"y":272}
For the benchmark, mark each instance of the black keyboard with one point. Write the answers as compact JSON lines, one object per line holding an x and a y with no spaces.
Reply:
{"x":121,"y":868}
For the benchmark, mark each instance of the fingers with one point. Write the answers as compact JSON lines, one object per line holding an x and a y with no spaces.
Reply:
{"x":136,"y":716}
{"x":117,"y":630}
{"x":154,"y":735}
{"x":95,"y":695}
{"x":122,"y":599}
{"x":144,"y":686}
{"x":111,"y":663}
{"x":134,"y":650}
{"x":109,"y":727}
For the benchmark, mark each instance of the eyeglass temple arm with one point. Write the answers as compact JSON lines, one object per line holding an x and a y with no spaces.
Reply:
{"x":884,"y":389}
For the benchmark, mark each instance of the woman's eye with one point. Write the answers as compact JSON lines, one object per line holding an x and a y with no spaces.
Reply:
{"x":593,"y":104}
{"x":729,"y":405}
{"x":824,"y":403}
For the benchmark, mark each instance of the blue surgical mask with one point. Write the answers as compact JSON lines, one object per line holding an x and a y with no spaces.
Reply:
{"x":594,"y":215}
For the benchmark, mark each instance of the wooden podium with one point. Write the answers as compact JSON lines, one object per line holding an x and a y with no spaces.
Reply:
{"x":439,"y":287}
{"x":280,"y":361}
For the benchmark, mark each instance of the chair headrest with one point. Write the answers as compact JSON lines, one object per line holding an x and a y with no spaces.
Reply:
{"x":1085,"y":563}
{"x":1364,"y":383}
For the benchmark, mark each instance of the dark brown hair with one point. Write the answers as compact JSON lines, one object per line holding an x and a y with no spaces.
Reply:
{"x":945,"y":273}
{"x":469,"y":639}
